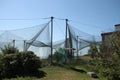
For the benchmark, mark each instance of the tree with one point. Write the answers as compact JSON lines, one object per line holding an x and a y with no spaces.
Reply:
{"x":93,"y":51}
{"x":1,"y":64}
{"x":30,"y":62}
{"x":14,"y":63}
{"x":8,"y":49}
{"x":59,"y":56}
{"x":109,"y":66}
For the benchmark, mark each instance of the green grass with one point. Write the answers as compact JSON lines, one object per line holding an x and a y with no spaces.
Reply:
{"x":23,"y":78}
{"x":64,"y":73}
{"x":58,"y":73}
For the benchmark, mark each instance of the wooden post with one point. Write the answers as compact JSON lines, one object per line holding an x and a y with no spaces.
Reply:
{"x":51,"y":37}
{"x":77,"y":47}
{"x":24,"y":45}
{"x":66,"y":41}
{"x":13,"y":43}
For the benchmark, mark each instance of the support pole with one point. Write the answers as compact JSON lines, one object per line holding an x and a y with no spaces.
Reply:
{"x":13,"y":43}
{"x":77,"y":46}
{"x":66,"y":33}
{"x":66,"y":41}
{"x":24,"y":45}
{"x":51,"y":37}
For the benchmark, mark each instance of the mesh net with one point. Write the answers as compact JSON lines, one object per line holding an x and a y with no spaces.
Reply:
{"x":33,"y":38}
{"x":79,"y":39}
{"x":38,"y":39}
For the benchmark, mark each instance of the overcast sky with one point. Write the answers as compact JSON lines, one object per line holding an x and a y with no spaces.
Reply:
{"x":90,"y":16}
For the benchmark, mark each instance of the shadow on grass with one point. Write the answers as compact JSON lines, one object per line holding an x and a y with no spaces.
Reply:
{"x":37,"y":74}
{"x":78,"y":70}
{"x":83,"y":71}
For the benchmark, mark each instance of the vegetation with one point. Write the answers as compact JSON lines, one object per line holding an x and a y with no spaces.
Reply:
{"x":18,"y":63}
{"x":58,"y":56}
{"x":108,"y":66}
{"x":93,"y":51}
{"x":58,"y":73}
{"x":21,"y":64}
{"x":8,"y":49}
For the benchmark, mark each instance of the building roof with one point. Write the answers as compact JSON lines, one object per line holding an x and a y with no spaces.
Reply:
{"x":107,"y":33}
{"x":117,"y":25}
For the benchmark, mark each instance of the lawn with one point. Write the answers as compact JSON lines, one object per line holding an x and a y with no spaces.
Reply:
{"x":58,"y":73}
{"x":63,"y":73}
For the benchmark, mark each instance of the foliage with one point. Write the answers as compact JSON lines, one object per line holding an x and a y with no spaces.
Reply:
{"x":109,"y":66}
{"x":8,"y":49}
{"x":1,"y":64}
{"x":93,"y":51}
{"x":115,"y":43}
{"x":20,"y":64}
{"x":12,"y":65}
{"x":59,"y":56}
{"x":30,"y":62}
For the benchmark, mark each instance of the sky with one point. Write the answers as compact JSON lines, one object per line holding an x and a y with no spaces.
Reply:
{"x":90,"y":16}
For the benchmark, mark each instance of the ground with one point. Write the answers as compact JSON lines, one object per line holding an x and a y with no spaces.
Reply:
{"x":78,"y":72}
{"x":58,"y":73}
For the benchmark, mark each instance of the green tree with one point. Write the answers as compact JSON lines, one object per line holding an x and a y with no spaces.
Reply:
{"x":20,"y":64}
{"x":8,"y":49}
{"x":59,"y":56}
{"x":109,"y":66}
{"x":30,"y":62}
{"x":1,"y":64}
{"x":93,"y":51}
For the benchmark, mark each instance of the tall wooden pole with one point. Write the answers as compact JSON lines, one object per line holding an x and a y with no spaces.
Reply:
{"x":24,"y":45}
{"x":13,"y":43}
{"x":66,"y":33}
{"x":77,"y":47}
{"x":51,"y":37}
{"x":66,"y":41}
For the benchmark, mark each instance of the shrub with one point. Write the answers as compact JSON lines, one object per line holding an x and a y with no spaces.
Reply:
{"x":109,"y":65}
{"x":1,"y":64}
{"x":20,"y":64}
{"x":12,"y":65}
{"x":31,"y":62}
{"x":8,"y":49}
{"x":59,"y":56}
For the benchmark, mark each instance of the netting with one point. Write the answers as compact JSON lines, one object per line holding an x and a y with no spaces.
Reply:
{"x":81,"y":40}
{"x":38,"y":39}
{"x":76,"y":40}
{"x":27,"y":38}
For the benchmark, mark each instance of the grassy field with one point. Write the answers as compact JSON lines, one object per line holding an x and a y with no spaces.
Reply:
{"x":58,"y":73}
{"x":63,"y":73}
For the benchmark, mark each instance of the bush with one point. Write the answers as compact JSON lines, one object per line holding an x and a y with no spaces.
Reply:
{"x":8,"y":49}
{"x":1,"y":64}
{"x":20,"y":64}
{"x":31,"y":62}
{"x":12,"y":65}
{"x":59,"y":56}
{"x":109,"y":66}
